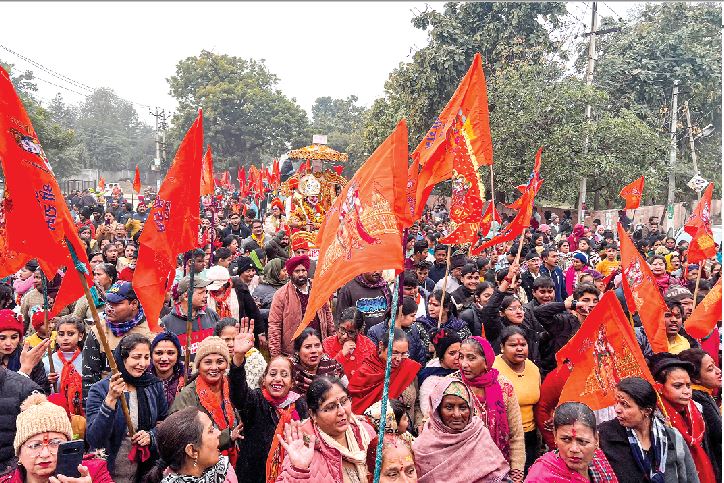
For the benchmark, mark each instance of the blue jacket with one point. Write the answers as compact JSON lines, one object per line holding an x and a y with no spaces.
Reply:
{"x":559,"y":282}
{"x":106,"y":427}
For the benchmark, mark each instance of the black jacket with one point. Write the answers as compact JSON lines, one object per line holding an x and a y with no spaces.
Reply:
{"x":14,"y":389}
{"x":712,"y":420}
{"x":473,"y":316}
{"x":260,"y":421}
{"x":494,"y":325}
{"x":248,"y":307}
{"x":526,"y":281}
{"x":242,"y":232}
{"x":462,"y":297}
{"x":560,"y":325}
{"x":274,"y":250}
{"x":613,"y":441}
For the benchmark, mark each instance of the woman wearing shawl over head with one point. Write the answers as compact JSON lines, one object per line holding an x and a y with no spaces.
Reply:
{"x":128,"y":457}
{"x":166,"y":364}
{"x":264,"y":411}
{"x":455,"y":446}
{"x":577,"y":459}
{"x":365,"y":386}
{"x":447,"y":346}
{"x":310,"y":361}
{"x":495,"y":399}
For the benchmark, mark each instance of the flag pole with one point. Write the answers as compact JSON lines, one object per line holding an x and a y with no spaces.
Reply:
{"x":82,"y":271}
{"x":698,"y":278}
{"x":386,"y":385}
{"x":492,"y":189}
{"x":517,"y":257}
{"x":51,"y":366}
{"x":189,"y":295}
{"x":444,"y":286}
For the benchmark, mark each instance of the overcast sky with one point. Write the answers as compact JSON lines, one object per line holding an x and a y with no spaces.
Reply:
{"x":316,"y":48}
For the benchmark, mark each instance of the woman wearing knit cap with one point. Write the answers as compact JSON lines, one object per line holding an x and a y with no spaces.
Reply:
{"x":209,"y":393}
{"x":19,"y":357}
{"x":128,"y":457}
{"x":41,"y":428}
{"x":578,"y":266}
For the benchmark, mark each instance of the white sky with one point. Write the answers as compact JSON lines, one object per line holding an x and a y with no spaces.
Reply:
{"x":315,"y":48}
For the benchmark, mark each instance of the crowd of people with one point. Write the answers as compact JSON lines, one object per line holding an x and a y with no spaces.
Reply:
{"x":474,"y":388}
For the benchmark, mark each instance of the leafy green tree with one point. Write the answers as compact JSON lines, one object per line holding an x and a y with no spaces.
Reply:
{"x":246,"y":117}
{"x":342,"y":120}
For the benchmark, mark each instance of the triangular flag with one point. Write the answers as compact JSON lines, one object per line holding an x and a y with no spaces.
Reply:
{"x":207,"y":173}
{"x":632,"y":193}
{"x":137,"y":181}
{"x":702,"y":213}
{"x":706,"y":314}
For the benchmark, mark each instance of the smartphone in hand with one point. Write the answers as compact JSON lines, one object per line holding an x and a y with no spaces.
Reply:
{"x":70,"y":455}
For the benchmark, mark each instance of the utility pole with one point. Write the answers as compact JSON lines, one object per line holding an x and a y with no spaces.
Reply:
{"x":589,"y":81}
{"x":672,"y":156}
{"x":160,"y":137}
{"x":691,"y":143}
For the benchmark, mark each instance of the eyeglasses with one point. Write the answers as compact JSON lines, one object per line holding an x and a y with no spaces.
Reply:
{"x":400,"y":355}
{"x":36,"y":447}
{"x":515,"y":309}
{"x":341,"y":403}
{"x":351,"y":333}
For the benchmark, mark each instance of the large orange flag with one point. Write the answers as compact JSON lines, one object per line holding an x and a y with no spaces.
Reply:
{"x":516,"y":227}
{"x":469,"y":103}
{"x":602,"y":352}
{"x":642,"y":293}
{"x":37,"y":222}
{"x":207,"y":173}
{"x":702,"y":246}
{"x":701,"y":214}
{"x":632,"y":193}
{"x":362,"y":230}
{"x":137,"y":181}
{"x":706,"y":314}
{"x":172,"y":226}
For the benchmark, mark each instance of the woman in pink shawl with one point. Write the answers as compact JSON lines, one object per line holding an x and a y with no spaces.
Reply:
{"x":578,"y":233}
{"x":578,"y":458}
{"x":455,"y":446}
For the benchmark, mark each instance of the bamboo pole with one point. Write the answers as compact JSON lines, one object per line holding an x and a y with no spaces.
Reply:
{"x":51,"y":366}
{"x":189,"y":322}
{"x":82,"y":271}
{"x":698,"y":278}
{"x":517,"y":256}
{"x":444,"y":286}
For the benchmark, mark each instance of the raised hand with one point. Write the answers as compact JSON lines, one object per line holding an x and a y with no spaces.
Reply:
{"x":29,"y":358}
{"x":238,"y":431}
{"x":298,"y":445}
{"x":244,"y":340}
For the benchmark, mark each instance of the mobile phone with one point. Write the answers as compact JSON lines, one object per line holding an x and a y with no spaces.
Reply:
{"x":70,"y":455}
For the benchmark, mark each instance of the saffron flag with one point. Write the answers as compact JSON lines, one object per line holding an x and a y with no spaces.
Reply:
{"x":469,"y":103}
{"x":706,"y":314}
{"x":642,"y":293}
{"x":702,"y":213}
{"x":632,"y":193}
{"x":276,"y":175}
{"x":602,"y":352}
{"x":241,"y":178}
{"x":361,"y":231}
{"x":172,"y":226}
{"x":36,"y":221}
{"x":490,"y":215}
{"x":226,"y":180}
{"x":534,"y":181}
{"x":702,"y":245}
{"x":207,"y":173}
{"x":466,"y":202}
{"x":412,"y":174}
{"x":137,"y":181}
{"x":101,"y":184}
{"x":515,"y":228}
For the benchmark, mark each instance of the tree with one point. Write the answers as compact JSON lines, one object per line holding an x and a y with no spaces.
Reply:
{"x":59,"y":142}
{"x":246,"y":118}
{"x":342,"y":120}
{"x":638,"y":65}
{"x":111,"y":133}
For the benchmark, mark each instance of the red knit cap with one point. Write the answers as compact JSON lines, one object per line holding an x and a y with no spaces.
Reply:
{"x":38,"y":319}
{"x":9,"y":321}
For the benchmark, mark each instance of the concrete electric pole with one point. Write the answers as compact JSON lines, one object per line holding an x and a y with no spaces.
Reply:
{"x":589,"y":80}
{"x":672,"y":157}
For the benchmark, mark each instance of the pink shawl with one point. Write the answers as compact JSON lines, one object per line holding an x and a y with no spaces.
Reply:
{"x":495,"y":414}
{"x":550,"y":468}
{"x":466,"y":456}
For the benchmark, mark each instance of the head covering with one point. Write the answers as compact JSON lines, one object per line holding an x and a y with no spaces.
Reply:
{"x":298,"y":242}
{"x":439,"y":449}
{"x":271,"y":272}
{"x":217,"y":277}
{"x":544,"y":228}
{"x":145,"y":380}
{"x":495,"y":413}
{"x":276,"y":202}
{"x":32,"y":265}
{"x":581,"y":257}
{"x":678,"y":293}
{"x":211,"y":345}
{"x":374,"y":417}
{"x":38,"y":318}
{"x":170,"y":336}
{"x":294,"y":262}
{"x":120,"y":291}
{"x":199,"y":282}
{"x":38,"y":415}
{"x":457,"y":262}
{"x":9,"y":321}
{"x":243,"y":264}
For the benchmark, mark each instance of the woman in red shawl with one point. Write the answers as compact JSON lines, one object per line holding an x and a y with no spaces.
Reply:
{"x":349,"y":346}
{"x":577,"y":459}
{"x":496,"y":401}
{"x":365,"y":386}
{"x":455,"y":446}
{"x":673,"y":378}
{"x":578,"y":232}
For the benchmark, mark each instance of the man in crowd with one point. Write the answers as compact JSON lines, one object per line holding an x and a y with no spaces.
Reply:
{"x":551,"y":269}
{"x":289,"y":306}
{"x":439,"y":266}
{"x":370,"y":294}
{"x":235,"y":227}
{"x":203,"y":319}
